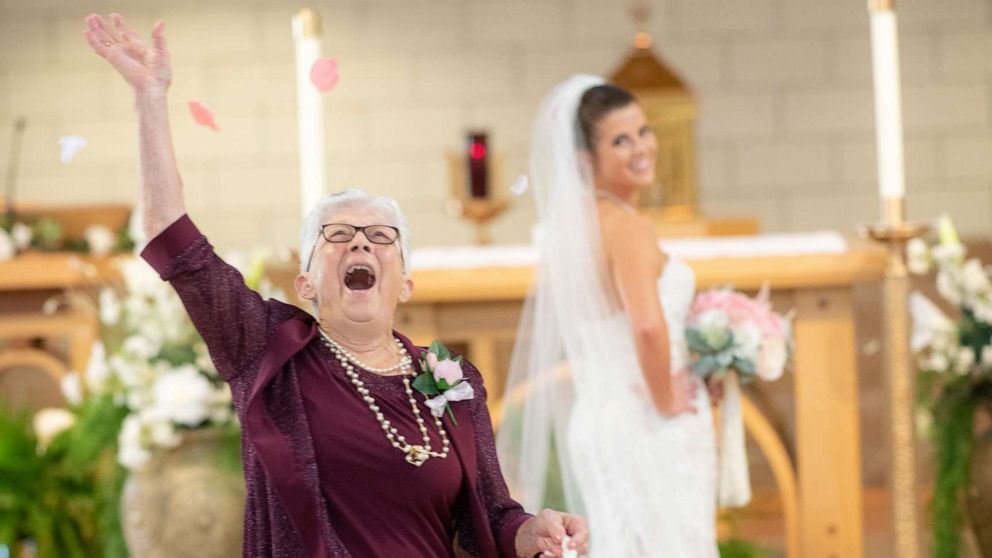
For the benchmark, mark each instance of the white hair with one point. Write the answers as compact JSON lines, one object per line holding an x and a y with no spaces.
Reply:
{"x":351,"y":199}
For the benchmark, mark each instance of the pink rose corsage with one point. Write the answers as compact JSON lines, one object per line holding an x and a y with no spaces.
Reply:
{"x":442,"y":381}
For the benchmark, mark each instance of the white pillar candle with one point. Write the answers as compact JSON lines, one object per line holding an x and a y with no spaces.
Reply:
{"x":888,"y":103}
{"x":306,"y":35}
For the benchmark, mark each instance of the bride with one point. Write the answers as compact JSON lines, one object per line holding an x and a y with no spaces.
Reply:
{"x":600,"y":371}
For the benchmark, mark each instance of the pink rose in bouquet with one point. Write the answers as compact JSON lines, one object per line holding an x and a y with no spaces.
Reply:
{"x":729,"y":330}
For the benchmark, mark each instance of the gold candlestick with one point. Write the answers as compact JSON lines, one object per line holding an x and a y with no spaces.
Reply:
{"x":894,"y":232}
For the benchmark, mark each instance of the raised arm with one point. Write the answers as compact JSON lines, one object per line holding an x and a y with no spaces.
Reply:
{"x":147,"y":69}
{"x":635,"y":264}
{"x":234,"y":321}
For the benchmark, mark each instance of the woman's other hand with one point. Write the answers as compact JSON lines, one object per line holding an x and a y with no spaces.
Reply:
{"x":145,"y":67}
{"x":544,"y":532}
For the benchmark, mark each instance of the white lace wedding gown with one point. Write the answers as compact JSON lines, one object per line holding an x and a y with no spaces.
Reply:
{"x":647,"y":482}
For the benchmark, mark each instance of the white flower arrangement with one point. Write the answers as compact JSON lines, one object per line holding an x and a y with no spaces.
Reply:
{"x":954,"y":357}
{"x":943,"y":345}
{"x":152,"y":361}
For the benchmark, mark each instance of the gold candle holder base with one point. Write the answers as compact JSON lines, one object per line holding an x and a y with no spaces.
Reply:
{"x":894,"y":237}
{"x":480,"y":211}
{"x":895,"y":233}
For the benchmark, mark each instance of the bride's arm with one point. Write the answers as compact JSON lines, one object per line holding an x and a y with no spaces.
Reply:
{"x":635,"y":264}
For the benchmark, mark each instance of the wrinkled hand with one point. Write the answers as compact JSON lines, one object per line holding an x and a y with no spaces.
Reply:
{"x":684,"y":390}
{"x":146,"y":68}
{"x":544,"y":532}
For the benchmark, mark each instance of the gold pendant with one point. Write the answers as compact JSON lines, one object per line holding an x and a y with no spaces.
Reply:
{"x":417,"y":455}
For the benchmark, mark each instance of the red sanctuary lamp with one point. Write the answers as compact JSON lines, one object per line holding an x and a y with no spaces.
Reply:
{"x":478,"y":165}
{"x":474,"y":177}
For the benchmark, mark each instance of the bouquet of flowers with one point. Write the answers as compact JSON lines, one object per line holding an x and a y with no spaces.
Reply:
{"x":736,"y":338}
{"x":954,"y":357}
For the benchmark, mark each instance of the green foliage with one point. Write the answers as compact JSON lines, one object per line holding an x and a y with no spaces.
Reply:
{"x":440,"y":350}
{"x":973,"y":333}
{"x":65,"y":499}
{"x":178,"y":355}
{"x":425,"y":384}
{"x":953,"y":419}
{"x":48,"y":235}
{"x":953,"y":416}
{"x":737,"y":548}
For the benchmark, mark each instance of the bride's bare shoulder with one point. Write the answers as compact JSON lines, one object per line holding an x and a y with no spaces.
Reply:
{"x":625,"y":232}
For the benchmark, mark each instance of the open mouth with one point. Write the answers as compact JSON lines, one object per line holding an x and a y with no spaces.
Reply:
{"x":359,"y":278}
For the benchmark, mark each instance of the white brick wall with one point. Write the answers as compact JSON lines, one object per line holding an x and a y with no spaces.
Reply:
{"x":786,"y":130}
{"x":738,"y":115}
{"x":764,"y":62}
{"x":822,"y":110}
{"x":783,"y":166}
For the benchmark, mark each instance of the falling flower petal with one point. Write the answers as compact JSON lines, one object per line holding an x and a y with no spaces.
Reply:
{"x":520,"y":185}
{"x":203,"y":116}
{"x":71,"y":145}
{"x":324,"y":74}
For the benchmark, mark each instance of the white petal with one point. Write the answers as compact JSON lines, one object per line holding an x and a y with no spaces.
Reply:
{"x":70,"y":146}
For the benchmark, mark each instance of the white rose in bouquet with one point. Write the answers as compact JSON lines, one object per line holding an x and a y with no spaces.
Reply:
{"x":747,"y":341}
{"x":773,"y":358}
{"x":713,"y":326}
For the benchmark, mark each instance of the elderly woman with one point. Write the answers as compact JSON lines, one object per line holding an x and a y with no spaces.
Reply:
{"x":341,"y":456}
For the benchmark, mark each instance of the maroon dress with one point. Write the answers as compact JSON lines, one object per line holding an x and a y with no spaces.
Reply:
{"x":322,"y":479}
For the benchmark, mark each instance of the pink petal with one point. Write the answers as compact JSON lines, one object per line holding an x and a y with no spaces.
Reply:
{"x":324,"y":74}
{"x":202,"y":115}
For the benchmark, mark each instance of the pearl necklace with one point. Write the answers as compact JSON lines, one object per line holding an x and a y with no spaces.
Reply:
{"x":415,"y":454}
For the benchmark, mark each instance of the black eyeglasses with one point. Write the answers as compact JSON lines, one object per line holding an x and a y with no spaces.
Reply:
{"x":340,"y":233}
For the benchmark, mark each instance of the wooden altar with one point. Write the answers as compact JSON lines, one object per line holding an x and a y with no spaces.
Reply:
{"x":820,"y":487}
{"x":27,"y":333}
{"x":477,"y":307}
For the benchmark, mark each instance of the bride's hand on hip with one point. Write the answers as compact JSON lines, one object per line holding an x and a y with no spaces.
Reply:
{"x":544,"y":533}
{"x":684,"y":388}
{"x":146,"y":68}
